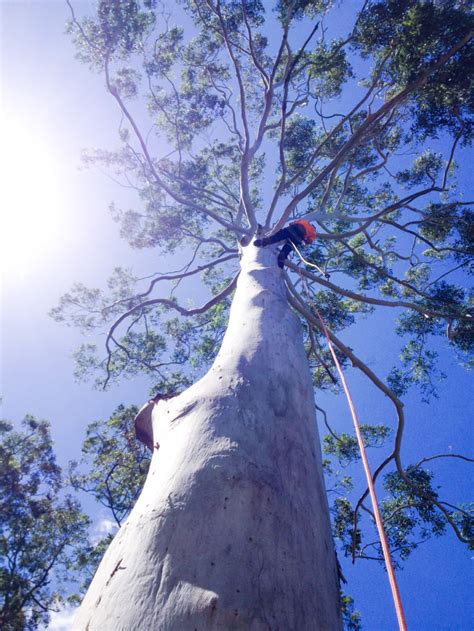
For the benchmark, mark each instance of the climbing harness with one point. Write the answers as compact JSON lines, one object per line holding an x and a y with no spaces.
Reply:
{"x":378,"y":519}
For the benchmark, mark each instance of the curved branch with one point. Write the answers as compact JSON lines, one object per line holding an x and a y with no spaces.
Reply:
{"x":370,"y":219}
{"x":178,"y":198}
{"x":171,"y":276}
{"x":257,"y":64}
{"x":424,"y":239}
{"x":246,"y":156}
{"x":386,"y":274}
{"x":374,"y":301}
{"x":428,"y":458}
{"x":173,"y":194}
{"x":297,"y":303}
{"x":171,"y":305}
{"x":318,"y":356}
{"x":329,"y":428}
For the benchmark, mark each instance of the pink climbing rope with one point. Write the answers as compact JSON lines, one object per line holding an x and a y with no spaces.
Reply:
{"x":378,"y":519}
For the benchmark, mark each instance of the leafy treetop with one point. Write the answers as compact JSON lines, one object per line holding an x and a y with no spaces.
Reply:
{"x":233,"y":114}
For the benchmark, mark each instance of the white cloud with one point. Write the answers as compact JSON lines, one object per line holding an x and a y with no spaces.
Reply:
{"x":106,"y":526}
{"x":102,"y":528}
{"x":62,"y":620}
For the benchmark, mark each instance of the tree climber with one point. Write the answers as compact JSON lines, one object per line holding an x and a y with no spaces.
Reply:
{"x":296,"y":232}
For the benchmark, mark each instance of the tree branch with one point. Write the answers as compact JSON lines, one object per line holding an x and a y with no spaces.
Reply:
{"x":171,"y":305}
{"x":369,"y":122}
{"x":374,"y":301}
{"x":296,"y":302}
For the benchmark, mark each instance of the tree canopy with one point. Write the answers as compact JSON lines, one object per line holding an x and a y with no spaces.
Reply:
{"x":42,"y":529}
{"x":234,"y":114}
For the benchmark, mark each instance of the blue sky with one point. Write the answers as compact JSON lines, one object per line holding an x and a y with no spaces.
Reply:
{"x":62,"y":108}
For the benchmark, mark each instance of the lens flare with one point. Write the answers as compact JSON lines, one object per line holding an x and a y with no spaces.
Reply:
{"x":29,"y":197}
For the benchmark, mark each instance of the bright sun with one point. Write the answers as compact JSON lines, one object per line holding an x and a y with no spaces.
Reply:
{"x":29,"y":198}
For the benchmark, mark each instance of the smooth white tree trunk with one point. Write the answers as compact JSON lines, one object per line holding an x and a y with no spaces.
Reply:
{"x":231,"y":530}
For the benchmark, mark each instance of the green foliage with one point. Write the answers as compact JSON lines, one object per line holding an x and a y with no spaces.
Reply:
{"x":329,"y":67}
{"x":350,"y":617}
{"x":114,"y":463}
{"x":345,"y":448}
{"x":419,"y":368}
{"x":344,"y":532}
{"x":299,"y":142}
{"x":112,"y":469}
{"x":409,"y":515}
{"x":425,"y":169}
{"x":408,"y":512}
{"x":298,"y":9}
{"x":464,"y":519}
{"x":249,"y":112}
{"x":414,"y":34}
{"x":42,"y":530}
{"x":419,"y":365}
{"x":438,"y":222}
{"x":117,"y":32}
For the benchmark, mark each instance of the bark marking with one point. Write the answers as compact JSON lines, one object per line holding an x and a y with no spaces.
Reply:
{"x":116,"y":568}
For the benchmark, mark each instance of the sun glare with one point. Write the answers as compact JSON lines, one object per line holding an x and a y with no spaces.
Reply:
{"x":29,"y":198}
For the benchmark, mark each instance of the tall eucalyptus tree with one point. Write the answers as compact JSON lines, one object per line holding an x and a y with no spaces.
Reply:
{"x":259,"y":115}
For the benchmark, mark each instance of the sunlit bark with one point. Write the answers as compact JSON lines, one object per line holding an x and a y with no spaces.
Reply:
{"x":232,"y":529}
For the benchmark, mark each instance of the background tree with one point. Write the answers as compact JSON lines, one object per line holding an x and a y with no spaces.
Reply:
{"x":114,"y":463}
{"x":358,"y":134}
{"x":42,"y":530}
{"x":112,"y":469}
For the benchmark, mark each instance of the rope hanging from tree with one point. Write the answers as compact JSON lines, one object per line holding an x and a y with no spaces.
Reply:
{"x":378,"y":519}
{"x":322,"y":272}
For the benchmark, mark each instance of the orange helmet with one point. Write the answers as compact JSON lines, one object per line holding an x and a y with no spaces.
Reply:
{"x":309,"y":230}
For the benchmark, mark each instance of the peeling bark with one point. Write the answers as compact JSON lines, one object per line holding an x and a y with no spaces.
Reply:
{"x":231,"y":530}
